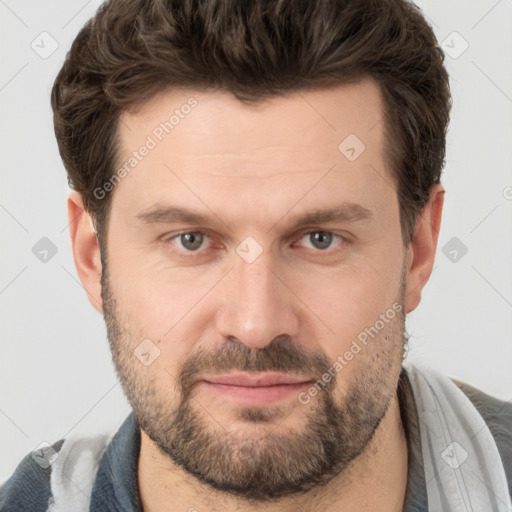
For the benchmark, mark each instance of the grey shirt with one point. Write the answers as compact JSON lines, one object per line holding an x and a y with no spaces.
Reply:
{"x":116,"y":487}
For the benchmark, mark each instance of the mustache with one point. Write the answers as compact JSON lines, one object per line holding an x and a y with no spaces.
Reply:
{"x":281,"y":355}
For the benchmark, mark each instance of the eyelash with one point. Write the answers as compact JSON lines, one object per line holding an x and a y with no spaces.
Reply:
{"x":168,"y":241}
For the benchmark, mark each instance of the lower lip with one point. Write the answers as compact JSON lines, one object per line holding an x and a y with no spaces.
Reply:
{"x":257,"y":395}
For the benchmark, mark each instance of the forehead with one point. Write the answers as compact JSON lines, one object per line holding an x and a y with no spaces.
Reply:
{"x":219,"y":124}
{"x":322,"y":144}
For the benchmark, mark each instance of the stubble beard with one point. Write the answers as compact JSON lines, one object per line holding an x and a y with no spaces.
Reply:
{"x":265,"y":460}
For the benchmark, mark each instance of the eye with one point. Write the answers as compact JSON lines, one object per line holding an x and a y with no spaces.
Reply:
{"x":193,"y":241}
{"x":321,"y":240}
{"x":190,"y":241}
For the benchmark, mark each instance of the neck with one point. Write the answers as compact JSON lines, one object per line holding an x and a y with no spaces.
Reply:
{"x":375,"y":481}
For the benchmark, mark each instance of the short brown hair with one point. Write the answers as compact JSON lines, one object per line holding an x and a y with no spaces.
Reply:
{"x":134,"y":49}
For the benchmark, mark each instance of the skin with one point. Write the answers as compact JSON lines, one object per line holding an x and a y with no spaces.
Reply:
{"x":295,"y":309}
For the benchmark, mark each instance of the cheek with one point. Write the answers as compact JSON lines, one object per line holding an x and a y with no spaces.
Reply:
{"x":170,"y":308}
{"x":347,"y":299}
{"x":156,"y":295}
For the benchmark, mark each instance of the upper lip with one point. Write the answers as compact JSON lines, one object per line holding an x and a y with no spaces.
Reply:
{"x":261,"y":379}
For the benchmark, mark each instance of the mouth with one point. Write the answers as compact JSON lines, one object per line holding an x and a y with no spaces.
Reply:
{"x":259,"y":389}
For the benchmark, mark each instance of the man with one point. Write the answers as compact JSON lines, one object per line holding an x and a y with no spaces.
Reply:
{"x":255,"y":211}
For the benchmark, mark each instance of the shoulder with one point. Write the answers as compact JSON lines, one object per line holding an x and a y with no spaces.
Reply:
{"x":62,"y":473}
{"x":496,"y":413}
{"x":29,"y":486}
{"x":498,"y":416}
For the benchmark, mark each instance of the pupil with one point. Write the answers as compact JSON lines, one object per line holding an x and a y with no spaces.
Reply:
{"x":321,"y":239}
{"x":191,"y":241}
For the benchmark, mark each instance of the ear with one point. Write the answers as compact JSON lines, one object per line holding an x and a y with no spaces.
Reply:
{"x":422,"y":249}
{"x":86,"y":250}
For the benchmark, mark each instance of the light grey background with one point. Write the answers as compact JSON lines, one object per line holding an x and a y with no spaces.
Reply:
{"x":56,"y":375}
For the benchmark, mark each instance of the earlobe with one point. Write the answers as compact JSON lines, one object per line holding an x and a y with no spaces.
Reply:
{"x":422,"y":249}
{"x":86,"y":251}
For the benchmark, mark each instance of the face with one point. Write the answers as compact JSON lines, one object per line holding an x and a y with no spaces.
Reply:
{"x":244,"y":240}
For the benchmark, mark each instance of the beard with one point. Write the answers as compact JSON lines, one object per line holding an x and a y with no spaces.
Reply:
{"x":262,"y":461}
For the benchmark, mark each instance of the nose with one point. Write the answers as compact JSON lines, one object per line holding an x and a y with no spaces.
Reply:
{"x":257,"y":304}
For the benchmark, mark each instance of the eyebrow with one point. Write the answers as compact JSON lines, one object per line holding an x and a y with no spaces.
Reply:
{"x":347,"y":212}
